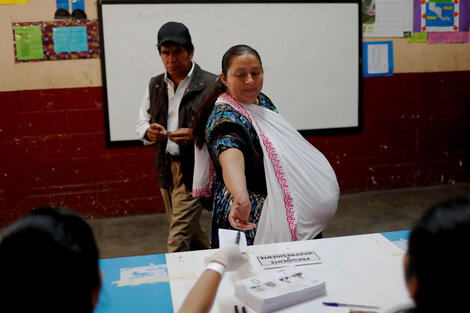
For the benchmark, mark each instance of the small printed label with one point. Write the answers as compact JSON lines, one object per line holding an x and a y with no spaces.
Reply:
{"x":290,"y":258}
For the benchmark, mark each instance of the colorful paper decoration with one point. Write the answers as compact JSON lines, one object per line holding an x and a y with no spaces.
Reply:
{"x":441,"y":15}
{"x":68,"y":49}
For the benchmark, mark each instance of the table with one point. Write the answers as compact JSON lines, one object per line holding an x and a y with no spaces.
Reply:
{"x":363,"y":269}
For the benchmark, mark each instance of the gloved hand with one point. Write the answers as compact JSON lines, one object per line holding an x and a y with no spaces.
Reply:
{"x":230,"y":257}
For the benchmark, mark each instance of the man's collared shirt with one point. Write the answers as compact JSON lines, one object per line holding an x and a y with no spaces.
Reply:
{"x":174,"y":101}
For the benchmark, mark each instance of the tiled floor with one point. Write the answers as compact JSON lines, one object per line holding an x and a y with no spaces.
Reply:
{"x":360,"y":213}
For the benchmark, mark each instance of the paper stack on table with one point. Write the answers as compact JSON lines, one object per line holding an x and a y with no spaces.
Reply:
{"x":280,"y":288}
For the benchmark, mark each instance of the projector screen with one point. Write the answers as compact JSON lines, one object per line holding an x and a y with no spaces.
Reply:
{"x":311,"y":54}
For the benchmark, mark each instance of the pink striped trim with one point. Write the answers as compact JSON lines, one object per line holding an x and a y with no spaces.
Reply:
{"x":206,"y":191}
{"x":273,"y":156}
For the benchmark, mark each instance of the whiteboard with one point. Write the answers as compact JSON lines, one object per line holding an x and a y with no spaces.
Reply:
{"x":310,"y":54}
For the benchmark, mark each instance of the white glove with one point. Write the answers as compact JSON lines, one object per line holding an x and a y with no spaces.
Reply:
{"x":230,"y":257}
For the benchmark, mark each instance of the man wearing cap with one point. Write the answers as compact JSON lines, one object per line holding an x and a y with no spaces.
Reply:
{"x":165,"y":119}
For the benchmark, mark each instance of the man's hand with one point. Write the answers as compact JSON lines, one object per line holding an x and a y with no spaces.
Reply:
{"x":156,"y":132}
{"x":182,"y":136}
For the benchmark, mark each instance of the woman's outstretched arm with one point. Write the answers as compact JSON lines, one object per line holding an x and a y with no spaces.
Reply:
{"x":233,"y":171}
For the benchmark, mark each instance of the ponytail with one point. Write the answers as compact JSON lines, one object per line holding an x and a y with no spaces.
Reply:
{"x":202,"y":115}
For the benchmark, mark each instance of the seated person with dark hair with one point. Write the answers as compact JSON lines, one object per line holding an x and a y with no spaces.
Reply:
{"x":49,"y":263}
{"x":438,"y":256}
{"x":437,"y":259}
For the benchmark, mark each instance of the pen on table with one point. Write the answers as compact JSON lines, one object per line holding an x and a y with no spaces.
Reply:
{"x":350,"y":305}
{"x":236,"y":308}
{"x":237,"y":240}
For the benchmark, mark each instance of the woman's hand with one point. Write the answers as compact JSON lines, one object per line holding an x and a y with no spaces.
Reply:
{"x":240,"y":213}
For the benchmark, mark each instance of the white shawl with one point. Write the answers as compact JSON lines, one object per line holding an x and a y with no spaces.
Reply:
{"x":302,"y":187}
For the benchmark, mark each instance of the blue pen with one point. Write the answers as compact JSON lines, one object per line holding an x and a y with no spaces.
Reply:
{"x":350,"y":305}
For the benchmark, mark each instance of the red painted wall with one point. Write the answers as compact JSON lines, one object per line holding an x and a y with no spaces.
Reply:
{"x":53,"y":151}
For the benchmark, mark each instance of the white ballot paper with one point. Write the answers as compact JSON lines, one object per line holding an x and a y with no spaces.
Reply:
{"x":280,"y":288}
{"x":228,"y":237}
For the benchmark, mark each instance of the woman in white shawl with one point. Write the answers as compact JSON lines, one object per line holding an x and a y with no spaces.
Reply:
{"x":263,"y":176}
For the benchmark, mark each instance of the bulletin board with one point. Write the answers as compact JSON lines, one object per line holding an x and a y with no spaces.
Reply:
{"x":311,"y":54}
{"x":47,"y":47}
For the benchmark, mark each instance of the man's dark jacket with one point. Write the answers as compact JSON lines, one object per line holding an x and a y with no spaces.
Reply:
{"x":201,"y":86}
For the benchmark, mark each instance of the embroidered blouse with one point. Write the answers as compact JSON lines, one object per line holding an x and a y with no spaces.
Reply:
{"x":226,"y":128}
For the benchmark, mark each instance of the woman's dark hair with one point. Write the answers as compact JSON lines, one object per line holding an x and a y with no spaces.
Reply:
{"x":200,"y":119}
{"x":49,"y":263}
{"x":236,"y":51}
{"x":437,"y":256}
